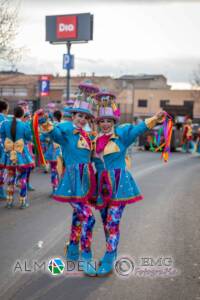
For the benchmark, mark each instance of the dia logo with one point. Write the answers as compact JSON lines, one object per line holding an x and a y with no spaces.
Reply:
{"x":66,"y":27}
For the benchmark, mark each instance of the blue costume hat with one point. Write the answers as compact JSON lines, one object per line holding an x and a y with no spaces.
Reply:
{"x":68,"y":104}
{"x":67,"y":112}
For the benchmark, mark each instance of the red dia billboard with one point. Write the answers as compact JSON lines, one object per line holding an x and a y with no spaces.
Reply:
{"x":74,"y":28}
{"x":66,"y":27}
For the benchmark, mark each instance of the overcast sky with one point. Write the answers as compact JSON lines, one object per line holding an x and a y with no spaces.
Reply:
{"x":130,"y":37}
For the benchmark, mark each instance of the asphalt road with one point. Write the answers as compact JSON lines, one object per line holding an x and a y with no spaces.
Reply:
{"x":164,"y":225}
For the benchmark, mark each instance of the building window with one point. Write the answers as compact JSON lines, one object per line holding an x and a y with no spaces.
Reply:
{"x":7,"y":92}
{"x":142,"y":103}
{"x":188,"y":103}
{"x":21,"y":92}
{"x":163,"y":103}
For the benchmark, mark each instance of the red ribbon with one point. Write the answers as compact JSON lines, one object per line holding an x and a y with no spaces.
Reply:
{"x":101,"y":142}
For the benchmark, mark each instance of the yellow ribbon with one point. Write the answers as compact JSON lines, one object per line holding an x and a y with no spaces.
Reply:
{"x":14,"y":148}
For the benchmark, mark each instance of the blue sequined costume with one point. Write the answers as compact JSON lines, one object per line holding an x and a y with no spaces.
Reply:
{"x":116,"y":185}
{"x":77,"y":181}
{"x":18,"y":148}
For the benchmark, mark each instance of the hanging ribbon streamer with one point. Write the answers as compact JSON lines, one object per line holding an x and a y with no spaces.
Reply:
{"x":155,"y":140}
{"x":36,"y":140}
{"x":168,"y":125}
{"x":157,"y":143}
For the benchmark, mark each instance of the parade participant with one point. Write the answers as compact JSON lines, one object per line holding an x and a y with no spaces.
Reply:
{"x":115,"y":186}
{"x":50,"y":108}
{"x":187,"y":136}
{"x":53,"y":153}
{"x":76,"y":226}
{"x":16,"y":158}
{"x":24,"y":105}
{"x":57,"y":116}
{"x":78,"y":182}
{"x":4,"y":107}
{"x":27,"y":118}
{"x":198,"y":141}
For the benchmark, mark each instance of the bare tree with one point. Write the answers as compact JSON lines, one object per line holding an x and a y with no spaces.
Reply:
{"x":8,"y":31}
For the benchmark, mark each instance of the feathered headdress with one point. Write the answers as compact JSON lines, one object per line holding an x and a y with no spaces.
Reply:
{"x":106,"y":106}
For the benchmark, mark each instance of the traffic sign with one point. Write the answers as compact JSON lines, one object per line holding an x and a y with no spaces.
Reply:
{"x":44,"y":85}
{"x":68,"y":61}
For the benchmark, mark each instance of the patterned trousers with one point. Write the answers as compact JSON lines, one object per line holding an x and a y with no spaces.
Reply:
{"x":111,"y":216}
{"x":22,"y":179}
{"x":82,"y":225}
{"x":54,"y":174}
{"x":29,"y":170}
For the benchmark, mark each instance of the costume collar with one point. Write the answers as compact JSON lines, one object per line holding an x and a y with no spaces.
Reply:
{"x":113,"y":136}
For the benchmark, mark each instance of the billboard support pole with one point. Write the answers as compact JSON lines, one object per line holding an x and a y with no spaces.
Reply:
{"x":68,"y":73}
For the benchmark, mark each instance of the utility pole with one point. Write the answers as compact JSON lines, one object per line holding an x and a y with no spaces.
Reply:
{"x":68,"y":73}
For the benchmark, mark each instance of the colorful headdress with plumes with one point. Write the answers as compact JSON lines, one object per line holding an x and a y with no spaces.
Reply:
{"x":85,"y":98}
{"x":106,"y":106}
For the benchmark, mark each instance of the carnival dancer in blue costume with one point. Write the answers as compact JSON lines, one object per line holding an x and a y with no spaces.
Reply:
{"x":187,"y":143}
{"x":27,"y":118}
{"x":50,"y":108}
{"x":16,"y":158}
{"x":78,"y":181}
{"x":53,"y":153}
{"x":76,"y":226}
{"x":116,"y":187}
{"x":4,"y":107}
